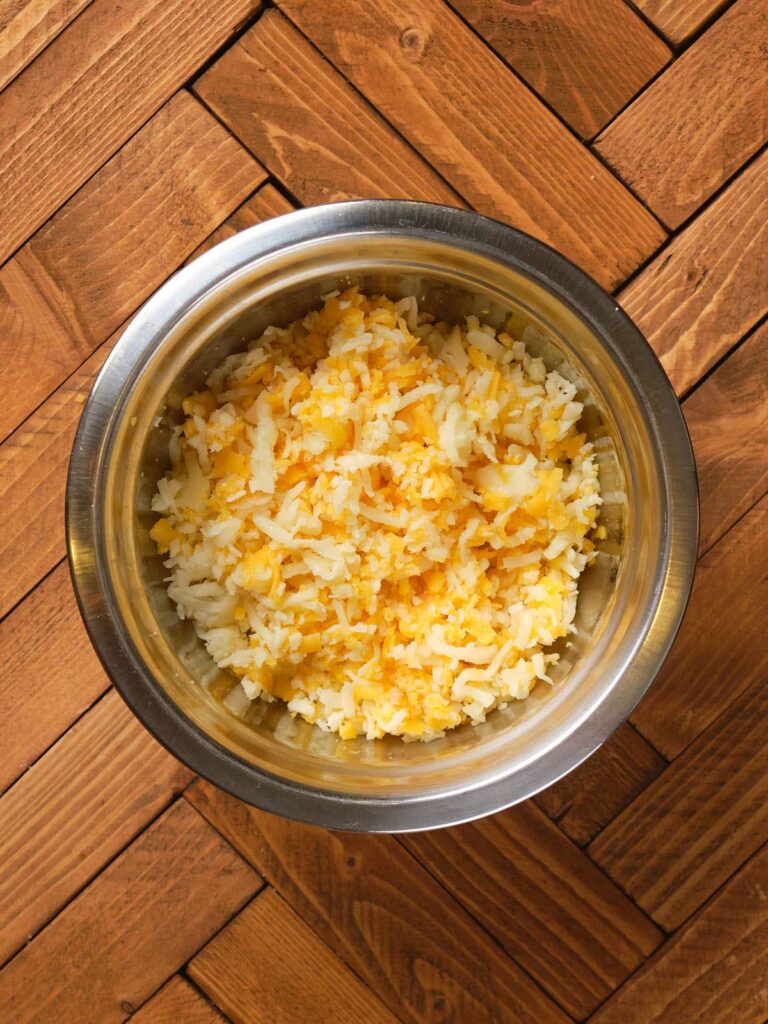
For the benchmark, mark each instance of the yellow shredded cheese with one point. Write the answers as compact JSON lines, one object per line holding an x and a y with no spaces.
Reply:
{"x":380,"y":519}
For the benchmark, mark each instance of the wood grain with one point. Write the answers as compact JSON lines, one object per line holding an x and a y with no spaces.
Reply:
{"x":708,"y":287}
{"x":715,"y":969}
{"x":34,"y":459}
{"x":584,"y":801}
{"x":679,"y":19}
{"x":295,"y":977}
{"x":27,"y":27}
{"x":58,"y":829}
{"x":481,"y":128}
{"x":693,"y":827}
{"x":133,"y":137}
{"x":177,"y":1003}
{"x":264,"y":205}
{"x":45,"y":685}
{"x":142,"y":918}
{"x":382,"y":913}
{"x":33,"y":477}
{"x":308,"y":126}
{"x":556,"y":914}
{"x":698,"y":123}
{"x":112,"y":245}
{"x":727,"y":419}
{"x":705,"y":673}
{"x":90,"y":90}
{"x":587,"y":58}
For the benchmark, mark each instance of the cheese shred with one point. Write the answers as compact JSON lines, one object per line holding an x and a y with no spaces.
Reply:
{"x":379,"y":519}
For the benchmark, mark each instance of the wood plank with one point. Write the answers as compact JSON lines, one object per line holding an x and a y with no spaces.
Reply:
{"x":384,"y":915}
{"x":679,"y":19}
{"x":727,"y":419}
{"x":700,"y":679}
{"x":33,"y":477}
{"x":584,"y":801}
{"x":267,"y":203}
{"x":46,"y":685}
{"x":34,"y":459}
{"x":296,"y":113}
{"x":177,"y":1003}
{"x":90,"y":90}
{"x":112,"y":245}
{"x":696,"y":125}
{"x":142,"y":918}
{"x":295,"y":977}
{"x":482,"y":128}
{"x":702,"y":818}
{"x":715,"y":969}
{"x":27,"y":27}
{"x":74,"y":810}
{"x":162,"y":194}
{"x":587,"y":59}
{"x":556,"y":914}
{"x":707,"y":289}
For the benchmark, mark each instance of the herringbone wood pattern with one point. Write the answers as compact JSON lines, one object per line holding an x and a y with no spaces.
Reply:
{"x":631,"y":136}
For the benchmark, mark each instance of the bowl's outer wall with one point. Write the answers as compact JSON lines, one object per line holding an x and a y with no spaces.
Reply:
{"x":464,"y":263}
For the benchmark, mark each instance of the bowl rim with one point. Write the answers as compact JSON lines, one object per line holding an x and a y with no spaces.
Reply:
{"x":156,"y":710}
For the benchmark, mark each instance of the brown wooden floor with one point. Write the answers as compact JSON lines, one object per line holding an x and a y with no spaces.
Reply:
{"x":134,"y":134}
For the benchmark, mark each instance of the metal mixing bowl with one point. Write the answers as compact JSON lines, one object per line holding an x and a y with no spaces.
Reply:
{"x":632,"y":597}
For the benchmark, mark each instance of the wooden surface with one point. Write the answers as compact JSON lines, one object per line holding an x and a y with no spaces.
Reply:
{"x":631,"y":136}
{"x":586,"y":58}
{"x":679,"y":19}
{"x":695,"y":126}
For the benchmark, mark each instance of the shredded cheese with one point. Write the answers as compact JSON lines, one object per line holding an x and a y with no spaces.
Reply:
{"x":379,"y":519}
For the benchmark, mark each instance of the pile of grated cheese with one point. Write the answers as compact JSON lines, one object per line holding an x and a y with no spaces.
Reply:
{"x":379,"y":519}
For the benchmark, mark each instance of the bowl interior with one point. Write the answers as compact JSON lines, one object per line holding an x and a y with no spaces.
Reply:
{"x":616,"y":601}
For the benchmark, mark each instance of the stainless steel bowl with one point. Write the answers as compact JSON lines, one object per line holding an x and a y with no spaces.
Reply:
{"x":632,"y":597}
